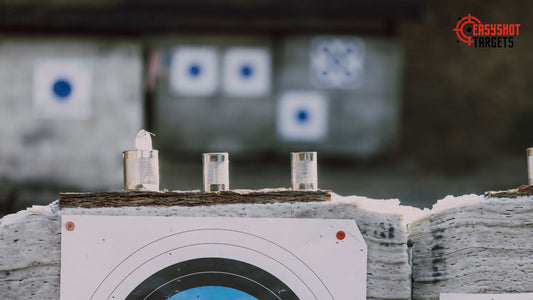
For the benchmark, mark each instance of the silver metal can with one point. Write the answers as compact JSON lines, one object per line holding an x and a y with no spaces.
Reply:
{"x":216,"y":171}
{"x":304,"y":171}
{"x":141,"y":170}
{"x":530,"y":166}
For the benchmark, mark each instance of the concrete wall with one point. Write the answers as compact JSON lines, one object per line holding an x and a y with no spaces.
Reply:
{"x":464,"y":105}
{"x":364,"y":120}
{"x":65,"y":148}
{"x":193,"y":125}
{"x":361,"y":120}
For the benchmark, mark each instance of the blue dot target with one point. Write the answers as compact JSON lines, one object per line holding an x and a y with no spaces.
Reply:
{"x":62,"y":89}
{"x":194,"y":71}
{"x":302,"y":116}
{"x":247,"y":72}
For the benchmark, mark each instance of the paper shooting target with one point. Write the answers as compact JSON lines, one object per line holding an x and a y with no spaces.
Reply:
{"x":302,"y":116}
{"x":194,"y":71}
{"x":198,"y":278}
{"x":337,"y":62}
{"x":246,"y":72}
{"x":118,"y":257}
{"x":62,"y":89}
{"x":465,"y":296}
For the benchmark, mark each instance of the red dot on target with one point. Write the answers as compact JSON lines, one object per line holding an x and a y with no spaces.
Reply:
{"x":341,"y":235}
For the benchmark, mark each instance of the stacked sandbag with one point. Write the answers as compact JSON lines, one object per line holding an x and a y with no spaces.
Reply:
{"x":380,"y":222}
{"x":30,"y":252}
{"x":473,"y":244}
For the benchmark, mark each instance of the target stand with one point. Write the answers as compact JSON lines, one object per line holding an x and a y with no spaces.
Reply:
{"x":140,"y":257}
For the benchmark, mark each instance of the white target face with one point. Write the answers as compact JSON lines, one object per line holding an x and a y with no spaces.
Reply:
{"x":514,"y":296}
{"x":337,"y":62}
{"x":302,"y":116}
{"x":194,"y":71}
{"x":62,"y":89}
{"x":104,"y":257}
{"x":247,"y":72}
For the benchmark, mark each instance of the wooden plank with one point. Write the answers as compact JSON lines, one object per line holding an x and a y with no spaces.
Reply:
{"x":523,"y":190}
{"x":188,"y":198}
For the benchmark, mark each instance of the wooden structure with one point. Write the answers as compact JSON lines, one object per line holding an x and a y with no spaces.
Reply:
{"x":188,"y":198}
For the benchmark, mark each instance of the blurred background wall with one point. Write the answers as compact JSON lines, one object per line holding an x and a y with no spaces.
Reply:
{"x":70,"y":106}
{"x":475,"y":104}
{"x":395,"y":107}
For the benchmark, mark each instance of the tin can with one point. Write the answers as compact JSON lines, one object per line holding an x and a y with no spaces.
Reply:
{"x":216,"y":171}
{"x":530,"y":166}
{"x":304,"y":171}
{"x":141,"y":170}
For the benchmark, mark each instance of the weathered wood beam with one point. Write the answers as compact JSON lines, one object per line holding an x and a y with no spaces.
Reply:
{"x":188,"y":198}
{"x":523,"y":190}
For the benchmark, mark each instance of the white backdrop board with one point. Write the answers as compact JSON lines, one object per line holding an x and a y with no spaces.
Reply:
{"x":126,"y":257}
{"x":337,"y":62}
{"x":194,"y":71}
{"x":62,"y":89}
{"x":302,"y":116}
{"x":453,"y":296}
{"x":247,"y":72}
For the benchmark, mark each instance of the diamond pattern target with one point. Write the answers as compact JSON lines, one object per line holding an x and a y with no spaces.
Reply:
{"x":337,"y":62}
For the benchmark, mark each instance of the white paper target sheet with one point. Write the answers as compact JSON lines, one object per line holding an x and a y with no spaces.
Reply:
{"x":450,"y":296}
{"x":141,"y":257}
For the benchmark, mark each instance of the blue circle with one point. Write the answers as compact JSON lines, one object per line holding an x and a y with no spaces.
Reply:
{"x":302,"y":116}
{"x":247,"y":71}
{"x":62,"y":89}
{"x":212,"y":292}
{"x":195,"y":70}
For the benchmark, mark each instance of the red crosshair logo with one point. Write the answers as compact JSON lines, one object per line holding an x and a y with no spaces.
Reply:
{"x":459,"y":29}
